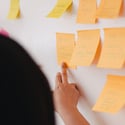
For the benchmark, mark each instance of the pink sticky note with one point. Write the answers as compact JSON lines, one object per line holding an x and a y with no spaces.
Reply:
{"x":3,"y":32}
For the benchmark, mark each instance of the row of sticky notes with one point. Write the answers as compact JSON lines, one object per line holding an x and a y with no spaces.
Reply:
{"x":87,"y":10}
{"x":88,"y":49}
{"x":14,"y":11}
{"x":81,"y":53}
{"x":112,"y":97}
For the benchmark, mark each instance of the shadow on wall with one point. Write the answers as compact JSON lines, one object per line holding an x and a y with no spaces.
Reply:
{"x":84,"y":101}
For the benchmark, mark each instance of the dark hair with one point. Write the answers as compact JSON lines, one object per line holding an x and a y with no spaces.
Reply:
{"x":25,"y":96}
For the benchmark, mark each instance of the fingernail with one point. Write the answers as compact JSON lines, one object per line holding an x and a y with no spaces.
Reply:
{"x":64,"y":65}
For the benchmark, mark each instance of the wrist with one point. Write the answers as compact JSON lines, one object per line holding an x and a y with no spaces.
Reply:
{"x":73,"y":117}
{"x":64,"y":112}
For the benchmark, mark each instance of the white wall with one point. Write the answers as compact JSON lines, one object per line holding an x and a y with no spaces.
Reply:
{"x":37,"y":34}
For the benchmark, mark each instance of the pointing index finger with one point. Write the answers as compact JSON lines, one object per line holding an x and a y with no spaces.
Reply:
{"x":64,"y":73}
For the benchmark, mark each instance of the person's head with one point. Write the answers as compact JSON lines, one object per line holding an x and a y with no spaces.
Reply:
{"x":25,"y":97}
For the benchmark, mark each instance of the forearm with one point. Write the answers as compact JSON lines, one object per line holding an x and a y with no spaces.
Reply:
{"x":73,"y":117}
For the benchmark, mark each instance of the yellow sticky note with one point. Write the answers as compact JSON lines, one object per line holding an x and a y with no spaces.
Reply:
{"x":65,"y":45}
{"x":87,"y":12}
{"x":60,"y":8}
{"x":109,"y":8}
{"x":14,"y":11}
{"x":112,"y":97}
{"x":86,"y":47}
{"x":113,"y":51}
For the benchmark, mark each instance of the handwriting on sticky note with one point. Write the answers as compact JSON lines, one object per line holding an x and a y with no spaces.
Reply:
{"x":60,"y":8}
{"x":113,"y":51}
{"x":14,"y":11}
{"x":65,"y":46}
{"x":86,"y":47}
{"x":109,"y":8}
{"x":86,"y":11}
{"x":112,"y":97}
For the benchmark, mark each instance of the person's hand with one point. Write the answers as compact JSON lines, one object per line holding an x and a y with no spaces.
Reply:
{"x":66,"y":98}
{"x":66,"y":94}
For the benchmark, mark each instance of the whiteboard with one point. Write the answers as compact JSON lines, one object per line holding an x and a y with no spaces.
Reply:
{"x":37,"y":34}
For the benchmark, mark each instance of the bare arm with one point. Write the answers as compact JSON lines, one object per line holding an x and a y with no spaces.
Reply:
{"x":66,"y":98}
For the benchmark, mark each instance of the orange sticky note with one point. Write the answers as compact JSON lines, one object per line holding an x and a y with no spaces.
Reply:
{"x":65,"y":44}
{"x":60,"y":8}
{"x":86,"y":47}
{"x":113,"y":51}
{"x":112,"y":98}
{"x":14,"y":11}
{"x":87,"y":12}
{"x":109,"y":8}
